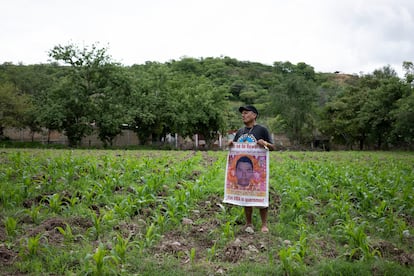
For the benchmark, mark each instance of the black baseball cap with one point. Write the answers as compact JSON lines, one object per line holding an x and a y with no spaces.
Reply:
{"x":248,"y":108}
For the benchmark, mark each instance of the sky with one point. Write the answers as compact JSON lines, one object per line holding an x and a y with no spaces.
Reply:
{"x":349,"y":36}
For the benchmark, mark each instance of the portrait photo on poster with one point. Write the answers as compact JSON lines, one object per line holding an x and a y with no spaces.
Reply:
{"x":247,"y":176}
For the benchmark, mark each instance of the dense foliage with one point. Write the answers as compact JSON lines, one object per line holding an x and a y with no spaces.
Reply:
{"x":84,"y":89}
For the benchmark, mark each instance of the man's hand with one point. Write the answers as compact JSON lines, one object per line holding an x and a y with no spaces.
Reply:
{"x":265,"y":144}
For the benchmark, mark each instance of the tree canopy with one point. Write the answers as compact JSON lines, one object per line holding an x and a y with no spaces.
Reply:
{"x":84,"y":90}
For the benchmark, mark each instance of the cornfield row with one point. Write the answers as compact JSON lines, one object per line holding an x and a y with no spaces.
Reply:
{"x":71,"y":212}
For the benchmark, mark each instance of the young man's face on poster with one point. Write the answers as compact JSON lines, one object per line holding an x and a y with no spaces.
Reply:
{"x":246,"y":182}
{"x":244,"y":173}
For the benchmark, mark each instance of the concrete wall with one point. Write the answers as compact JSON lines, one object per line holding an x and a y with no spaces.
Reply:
{"x":127,"y":138}
{"x":25,"y":135}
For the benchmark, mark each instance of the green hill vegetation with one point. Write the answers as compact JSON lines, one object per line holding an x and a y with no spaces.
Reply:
{"x":84,"y":88}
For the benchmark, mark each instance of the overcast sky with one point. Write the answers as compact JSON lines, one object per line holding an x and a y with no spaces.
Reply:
{"x":350,"y":36}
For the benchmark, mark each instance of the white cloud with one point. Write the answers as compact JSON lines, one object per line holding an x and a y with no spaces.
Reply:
{"x":349,"y":36}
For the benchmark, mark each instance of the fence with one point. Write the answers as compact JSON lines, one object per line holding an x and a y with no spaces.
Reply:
{"x":126,"y":138}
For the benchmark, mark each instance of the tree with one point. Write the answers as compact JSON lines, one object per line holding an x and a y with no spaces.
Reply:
{"x":204,"y":110}
{"x":339,"y":118}
{"x":378,"y":106}
{"x":403,"y":128}
{"x":33,"y":81}
{"x":88,"y":79}
{"x":174,"y":98}
{"x":110,"y":103}
{"x":294,"y":100}
{"x":51,"y":114}
{"x":251,"y":93}
{"x":151,"y":107}
{"x":14,"y":107}
{"x":408,"y":68}
{"x":363,"y":113}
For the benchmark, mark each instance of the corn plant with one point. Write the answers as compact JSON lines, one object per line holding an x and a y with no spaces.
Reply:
{"x":6,"y":198}
{"x":27,"y":186}
{"x":98,"y":192}
{"x":173,"y":209}
{"x":97,"y":227}
{"x":153,"y":183}
{"x":358,"y":242}
{"x":72,"y":201}
{"x":183,"y":198}
{"x":379,"y":210}
{"x":192,"y":255}
{"x":401,"y":227}
{"x":211,"y":253}
{"x":67,"y":233}
{"x":340,"y":208}
{"x":230,"y":214}
{"x":88,"y":196}
{"x":228,"y":231}
{"x":291,"y":259}
{"x":302,"y":245}
{"x":32,"y":246}
{"x":120,"y":247}
{"x":55,"y":203}
{"x":34,"y":213}
{"x":11,"y":226}
{"x":161,"y":220}
{"x":100,"y":263}
{"x":150,"y":235}
{"x":125,"y":208}
{"x":109,"y":217}
{"x":149,"y":238}
{"x":109,"y":181}
{"x":143,"y":200}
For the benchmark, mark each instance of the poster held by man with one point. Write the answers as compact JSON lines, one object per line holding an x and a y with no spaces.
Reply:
{"x":247,"y":175}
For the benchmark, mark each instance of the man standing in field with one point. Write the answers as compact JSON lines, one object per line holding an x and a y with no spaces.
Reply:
{"x":253,"y":133}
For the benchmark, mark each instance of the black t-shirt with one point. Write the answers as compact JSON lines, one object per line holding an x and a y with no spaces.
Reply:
{"x":252,"y":135}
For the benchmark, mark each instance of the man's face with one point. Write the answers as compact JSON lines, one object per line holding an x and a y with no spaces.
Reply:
{"x":248,"y":116}
{"x":244,"y":172}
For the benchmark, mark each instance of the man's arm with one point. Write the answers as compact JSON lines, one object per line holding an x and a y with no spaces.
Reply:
{"x":266,"y":144}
